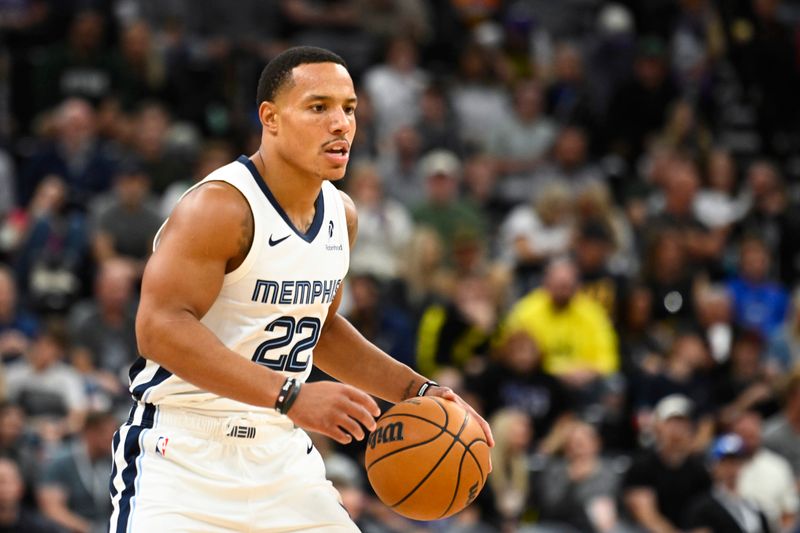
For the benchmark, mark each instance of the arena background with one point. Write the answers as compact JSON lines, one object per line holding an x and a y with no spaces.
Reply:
{"x":569,"y":211}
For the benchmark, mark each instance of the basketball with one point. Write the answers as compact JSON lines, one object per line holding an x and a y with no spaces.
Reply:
{"x":427,"y":458}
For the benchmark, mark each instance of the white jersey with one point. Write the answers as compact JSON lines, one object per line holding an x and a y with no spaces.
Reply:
{"x":272,"y":307}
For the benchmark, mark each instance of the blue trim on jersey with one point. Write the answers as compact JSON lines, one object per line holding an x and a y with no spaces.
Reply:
{"x":132,"y":451}
{"x":137,"y":367}
{"x":319,"y":213}
{"x":114,"y":446}
{"x":161,"y":375}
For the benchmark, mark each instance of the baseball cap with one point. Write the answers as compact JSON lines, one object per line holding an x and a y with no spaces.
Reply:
{"x":674,"y":405}
{"x":728,"y":445}
{"x":440,"y":162}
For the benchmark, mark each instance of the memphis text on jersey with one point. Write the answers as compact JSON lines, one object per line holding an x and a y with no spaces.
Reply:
{"x":293,"y":292}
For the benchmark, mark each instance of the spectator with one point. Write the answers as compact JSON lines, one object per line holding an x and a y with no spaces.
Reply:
{"x":150,"y":144}
{"x":569,"y":164}
{"x":142,"y":73}
{"x":521,"y":144}
{"x":683,"y":132}
{"x":18,"y":444}
{"x":102,"y":329}
{"x":766,"y":478}
{"x":457,"y":332}
{"x":82,"y":67}
{"x":49,"y":391}
{"x":213,"y":155}
{"x":535,"y":233}
{"x":723,"y":509}
{"x":443,"y":210}
{"x":669,"y":278}
{"x":783,"y":351}
{"x":680,"y":193}
{"x":593,"y":246}
{"x":714,"y":311}
{"x":480,"y":101}
{"x":387,"y":326}
{"x":396,"y":87}
{"x":568,"y":96}
{"x":685,"y":372}
{"x":400,"y":165}
{"x":662,"y":482}
{"x":638,"y":108}
{"x":593,"y":205}
{"x":125,"y":224}
{"x":509,"y":480}
{"x":579,"y":489}
{"x":385,"y":227}
{"x":766,"y":193}
{"x":437,"y":122}
{"x":74,"y":488}
{"x":640,"y":349}
{"x":51,"y":259}
{"x":759,"y":302}
{"x":578,"y":342}
{"x":14,"y":518}
{"x":744,"y":385}
{"x":514,"y":379}
{"x":75,"y":154}
{"x":717,"y":205}
{"x":782,"y":431}
{"x":17,"y":326}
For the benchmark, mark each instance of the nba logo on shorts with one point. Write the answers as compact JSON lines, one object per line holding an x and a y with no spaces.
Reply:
{"x":161,"y":446}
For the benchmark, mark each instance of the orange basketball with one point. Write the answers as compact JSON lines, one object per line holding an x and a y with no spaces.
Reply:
{"x":427,"y":459}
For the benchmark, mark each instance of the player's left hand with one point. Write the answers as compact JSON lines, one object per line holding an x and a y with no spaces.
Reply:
{"x":448,"y":394}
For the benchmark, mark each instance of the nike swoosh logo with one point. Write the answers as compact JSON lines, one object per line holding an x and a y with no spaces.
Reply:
{"x":278,"y":241}
{"x":310,"y":447}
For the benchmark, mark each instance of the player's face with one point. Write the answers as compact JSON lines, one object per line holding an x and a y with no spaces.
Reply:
{"x":316,"y":119}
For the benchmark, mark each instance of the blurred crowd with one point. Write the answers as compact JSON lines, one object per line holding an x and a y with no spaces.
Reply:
{"x":581,"y":215}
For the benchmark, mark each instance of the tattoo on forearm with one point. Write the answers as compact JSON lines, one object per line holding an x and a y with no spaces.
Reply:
{"x":408,"y":389}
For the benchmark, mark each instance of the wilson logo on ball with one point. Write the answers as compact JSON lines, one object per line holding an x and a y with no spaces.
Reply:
{"x":389,"y":433}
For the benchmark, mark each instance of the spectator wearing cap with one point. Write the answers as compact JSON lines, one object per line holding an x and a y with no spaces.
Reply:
{"x":723,"y":509}
{"x":766,"y":478}
{"x":124,"y":224}
{"x":662,"y":481}
{"x":576,"y":337}
{"x":782,"y":431}
{"x":442,"y":210}
{"x":684,"y":372}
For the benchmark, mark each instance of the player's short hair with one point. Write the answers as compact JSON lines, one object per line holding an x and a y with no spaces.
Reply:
{"x":279,"y":70}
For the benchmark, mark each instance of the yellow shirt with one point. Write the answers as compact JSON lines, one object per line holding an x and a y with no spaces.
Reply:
{"x":579,"y":336}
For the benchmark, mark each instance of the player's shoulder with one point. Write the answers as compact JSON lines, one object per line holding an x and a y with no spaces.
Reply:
{"x":350,"y":214}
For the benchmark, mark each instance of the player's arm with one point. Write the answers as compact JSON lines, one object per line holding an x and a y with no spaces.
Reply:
{"x":346,"y":355}
{"x":209,"y":233}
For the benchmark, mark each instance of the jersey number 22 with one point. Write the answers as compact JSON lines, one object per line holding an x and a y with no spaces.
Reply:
{"x":307,"y":332}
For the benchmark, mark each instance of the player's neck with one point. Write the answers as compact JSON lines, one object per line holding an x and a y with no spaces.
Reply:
{"x":296,"y":192}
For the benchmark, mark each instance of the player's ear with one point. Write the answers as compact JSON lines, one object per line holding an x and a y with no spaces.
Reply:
{"x":268,"y":114}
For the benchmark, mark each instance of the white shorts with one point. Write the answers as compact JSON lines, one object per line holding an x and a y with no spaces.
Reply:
{"x":182,"y":472}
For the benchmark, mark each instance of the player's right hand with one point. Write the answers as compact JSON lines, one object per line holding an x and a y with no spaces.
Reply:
{"x":334,"y":409}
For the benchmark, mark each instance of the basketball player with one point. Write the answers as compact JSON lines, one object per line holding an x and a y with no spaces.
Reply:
{"x":243,"y":285}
